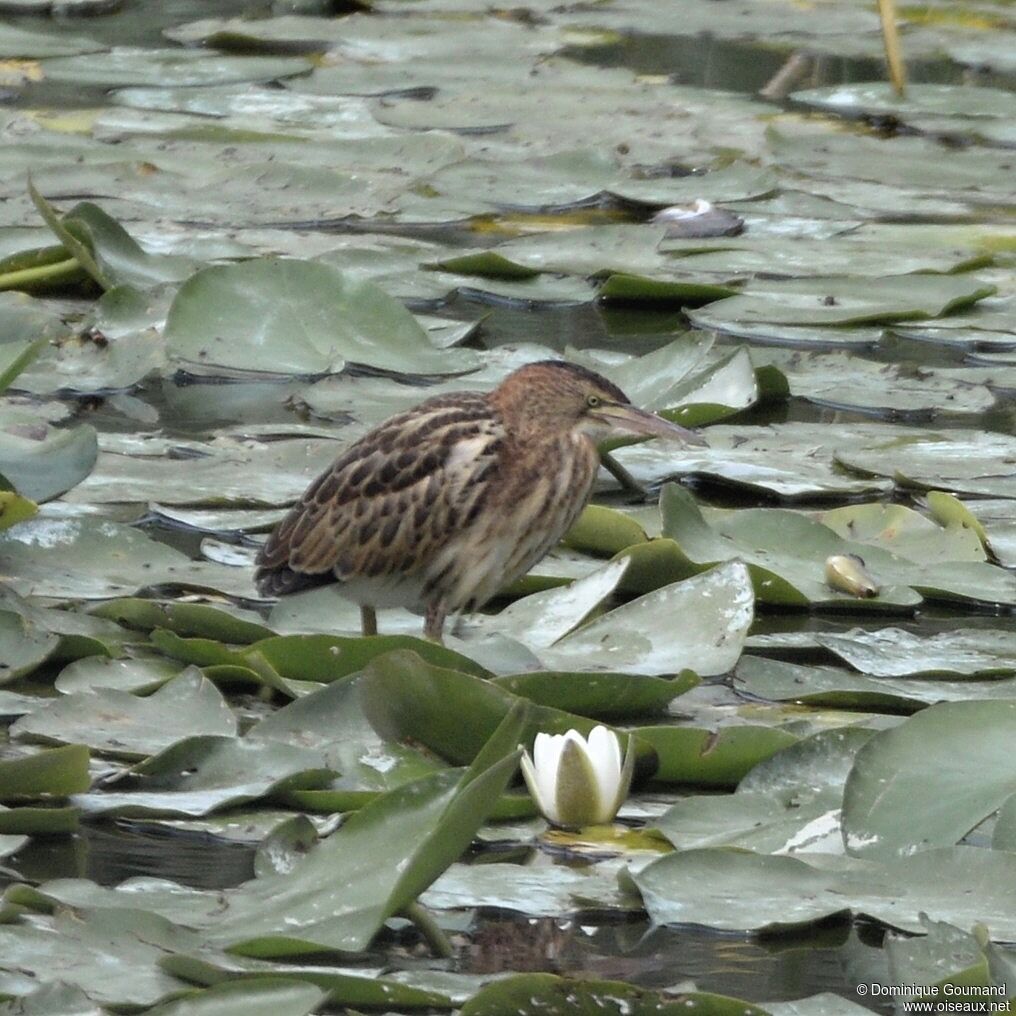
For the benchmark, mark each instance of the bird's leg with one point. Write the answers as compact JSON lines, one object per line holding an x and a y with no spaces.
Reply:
{"x":433,"y":627}
{"x":368,"y":621}
{"x":623,"y":477}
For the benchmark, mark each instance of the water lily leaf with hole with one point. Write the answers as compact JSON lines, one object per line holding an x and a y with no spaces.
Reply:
{"x":52,"y":771}
{"x":139,"y":675}
{"x":895,"y":652}
{"x":332,"y":721}
{"x":43,"y":462}
{"x":843,"y":300}
{"x":123,"y":725}
{"x":242,"y":317}
{"x":966,"y":462}
{"x":262,"y":996}
{"x":550,"y":995}
{"x":929,"y":781}
{"x":699,"y":624}
{"x":743,"y":891}
{"x":839,"y":688}
{"x":201,"y":774}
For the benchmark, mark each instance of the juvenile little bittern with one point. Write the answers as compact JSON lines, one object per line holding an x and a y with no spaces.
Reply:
{"x":441,"y":506}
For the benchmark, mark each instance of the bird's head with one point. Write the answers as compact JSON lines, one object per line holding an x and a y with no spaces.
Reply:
{"x":556,"y":396}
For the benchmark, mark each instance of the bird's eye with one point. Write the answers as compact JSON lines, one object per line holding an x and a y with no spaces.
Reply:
{"x":593,"y":401}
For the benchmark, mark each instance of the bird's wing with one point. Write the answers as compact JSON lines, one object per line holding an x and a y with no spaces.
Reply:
{"x":388,"y":503}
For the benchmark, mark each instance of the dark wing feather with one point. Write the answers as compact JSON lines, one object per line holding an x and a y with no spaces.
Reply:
{"x":390,"y":501}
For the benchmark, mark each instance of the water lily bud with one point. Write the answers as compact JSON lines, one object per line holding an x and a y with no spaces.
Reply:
{"x":847,"y":572}
{"x":577,"y":781}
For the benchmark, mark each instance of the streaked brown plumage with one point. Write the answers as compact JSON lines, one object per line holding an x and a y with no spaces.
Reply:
{"x":439,"y":507}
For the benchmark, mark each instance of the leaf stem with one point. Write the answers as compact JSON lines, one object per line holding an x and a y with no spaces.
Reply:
{"x":438,"y":941}
{"x":27,"y":277}
{"x":623,"y":477}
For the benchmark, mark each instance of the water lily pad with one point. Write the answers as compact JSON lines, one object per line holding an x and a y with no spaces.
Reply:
{"x":843,"y":689}
{"x":57,"y":771}
{"x":139,"y":675}
{"x":127,"y":65}
{"x":699,"y":624}
{"x":24,"y":645}
{"x":112,"y":955}
{"x":971,"y":462}
{"x":843,"y":300}
{"x":92,"y":559}
{"x":787,"y":553}
{"x":267,"y":996}
{"x":549,"y":995}
{"x":44,"y":462}
{"x":744,"y":891}
{"x":121,"y":724}
{"x":894,"y":652}
{"x":201,"y":774}
{"x":332,"y":722}
{"x":23,"y":43}
{"x":945,"y":769}
{"x":877,"y":97}
{"x":242,"y":317}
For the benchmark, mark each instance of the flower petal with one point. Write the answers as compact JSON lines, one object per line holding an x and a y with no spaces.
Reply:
{"x":547,"y":805}
{"x":546,"y":761}
{"x":605,"y":754}
{"x":577,"y":795}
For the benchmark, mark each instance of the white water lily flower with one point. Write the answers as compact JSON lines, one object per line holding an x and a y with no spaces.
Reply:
{"x":578,"y":782}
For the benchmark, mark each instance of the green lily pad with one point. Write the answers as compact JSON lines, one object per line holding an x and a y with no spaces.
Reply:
{"x":967,"y":462}
{"x":839,"y":688}
{"x":344,"y":986}
{"x":877,"y":97}
{"x":44,"y":462}
{"x":135,"y":66}
{"x":265,"y":996}
{"x":598,"y":695}
{"x":56,"y":771}
{"x":201,"y":774}
{"x":25,"y":44}
{"x":929,"y":781}
{"x":242,"y":317}
{"x":549,"y":995}
{"x":788,"y":804}
{"x":894,"y":652}
{"x":787,"y":552}
{"x":742,"y":891}
{"x":124,"y":725}
{"x":699,"y":624}
{"x":24,"y":645}
{"x":111,"y":955}
{"x":332,"y":721}
{"x":844,"y":300}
